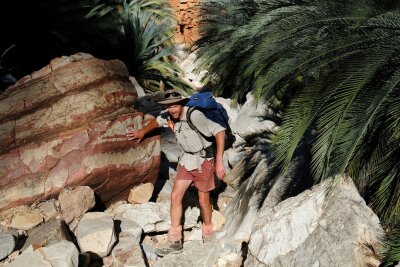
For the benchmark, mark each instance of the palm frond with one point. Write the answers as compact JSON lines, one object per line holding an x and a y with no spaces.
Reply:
{"x":332,"y":67}
{"x":392,"y":253}
{"x":148,"y":29}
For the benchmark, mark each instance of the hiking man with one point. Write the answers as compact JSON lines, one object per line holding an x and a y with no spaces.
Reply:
{"x":196,"y":165}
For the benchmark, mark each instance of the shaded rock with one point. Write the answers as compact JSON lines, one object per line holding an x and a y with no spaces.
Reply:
{"x":129,"y":227}
{"x":47,"y":234}
{"x":75,"y":203}
{"x":84,"y":259}
{"x":194,"y":235}
{"x":49,"y":209}
{"x":119,"y":208}
{"x":187,"y":62}
{"x":164,"y":188}
{"x":148,"y":103}
{"x":241,"y":170}
{"x":230,"y":260}
{"x":157,"y":240}
{"x":127,"y":253}
{"x":7,"y":245}
{"x":62,"y":254}
{"x":31,"y":258}
{"x":228,"y":245}
{"x":141,"y":193}
{"x":193,"y":254}
{"x":150,"y":251}
{"x":328,"y":225}
{"x":136,"y":85}
{"x":241,"y":211}
{"x":12,"y":257}
{"x":148,"y":215}
{"x":233,"y":155}
{"x":261,"y":185}
{"x":95,"y":233}
{"x":154,"y":217}
{"x":254,"y":118}
{"x":107,"y":261}
{"x":65,"y":125}
{"x":218,"y":220}
{"x":223,"y":201}
{"x":233,"y":112}
{"x":170,"y":146}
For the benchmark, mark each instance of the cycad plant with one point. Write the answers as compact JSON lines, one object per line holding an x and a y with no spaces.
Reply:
{"x":333,"y":68}
{"x":138,"y":32}
{"x":147,"y":30}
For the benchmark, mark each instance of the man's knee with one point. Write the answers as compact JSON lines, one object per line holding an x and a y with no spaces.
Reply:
{"x":176,"y":196}
{"x":204,"y":199}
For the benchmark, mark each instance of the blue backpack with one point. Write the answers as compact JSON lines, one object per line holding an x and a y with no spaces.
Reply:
{"x":205,"y":102}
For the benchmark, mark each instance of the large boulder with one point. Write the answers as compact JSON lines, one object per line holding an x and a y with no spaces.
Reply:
{"x":65,"y":125}
{"x":260,"y":186}
{"x":61,"y":254}
{"x":7,"y":245}
{"x":329,"y":225}
{"x":96,"y":233}
{"x":254,"y":118}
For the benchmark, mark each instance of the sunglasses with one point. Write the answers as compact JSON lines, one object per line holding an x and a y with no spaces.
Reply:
{"x":174,"y":94}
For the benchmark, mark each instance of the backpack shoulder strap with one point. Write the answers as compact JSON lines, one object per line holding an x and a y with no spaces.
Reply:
{"x":191,"y":125}
{"x":189,"y":121}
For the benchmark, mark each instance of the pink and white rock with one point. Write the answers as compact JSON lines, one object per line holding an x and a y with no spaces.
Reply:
{"x":25,"y":219}
{"x":75,"y":203}
{"x":65,"y":125}
{"x":141,"y":193}
{"x":127,"y":253}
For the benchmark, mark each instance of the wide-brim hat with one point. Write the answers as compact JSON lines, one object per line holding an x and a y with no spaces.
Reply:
{"x":173,"y":97}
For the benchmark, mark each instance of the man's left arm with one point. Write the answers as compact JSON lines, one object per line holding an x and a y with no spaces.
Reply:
{"x":219,"y":157}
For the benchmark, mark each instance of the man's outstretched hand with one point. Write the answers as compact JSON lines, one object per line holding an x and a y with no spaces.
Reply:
{"x":139,"y":134}
{"x":136,"y":134}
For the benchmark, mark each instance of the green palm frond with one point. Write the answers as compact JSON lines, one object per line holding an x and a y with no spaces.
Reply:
{"x":392,"y":254}
{"x":336,"y":130}
{"x":138,"y":32}
{"x":333,"y":68}
{"x":147,"y":29}
{"x":270,"y":48}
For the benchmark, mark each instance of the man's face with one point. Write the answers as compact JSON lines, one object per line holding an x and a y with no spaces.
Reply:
{"x":175,"y":111}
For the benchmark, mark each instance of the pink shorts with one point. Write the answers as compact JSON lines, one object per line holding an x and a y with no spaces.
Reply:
{"x":204,"y":181}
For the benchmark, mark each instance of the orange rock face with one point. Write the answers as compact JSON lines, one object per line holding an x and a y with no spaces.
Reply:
{"x":65,"y":125}
{"x":187,"y":13}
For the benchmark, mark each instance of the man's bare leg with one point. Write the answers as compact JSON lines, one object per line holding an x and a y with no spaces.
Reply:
{"x":178,"y":191}
{"x":175,"y":231}
{"x":205,"y":207}
{"x":206,"y":213}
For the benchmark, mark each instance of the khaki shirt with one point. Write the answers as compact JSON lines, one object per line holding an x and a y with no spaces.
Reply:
{"x":188,"y":139}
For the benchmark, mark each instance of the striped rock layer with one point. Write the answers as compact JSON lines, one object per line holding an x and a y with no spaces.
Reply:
{"x":65,"y":125}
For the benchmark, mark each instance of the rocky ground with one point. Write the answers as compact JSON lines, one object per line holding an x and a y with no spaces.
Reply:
{"x":125,"y":234}
{"x":260,"y":218}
